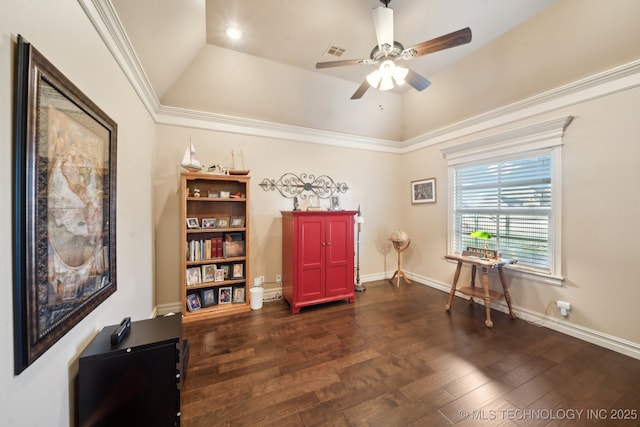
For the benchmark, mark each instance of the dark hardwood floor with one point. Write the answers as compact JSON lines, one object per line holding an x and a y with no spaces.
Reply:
{"x":396,"y":358}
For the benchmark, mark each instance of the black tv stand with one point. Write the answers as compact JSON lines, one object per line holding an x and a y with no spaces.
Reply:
{"x":137,"y":380}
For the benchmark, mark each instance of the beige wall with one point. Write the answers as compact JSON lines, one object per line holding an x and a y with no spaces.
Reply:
{"x":42,"y":395}
{"x":374,"y":181}
{"x":600,"y":208}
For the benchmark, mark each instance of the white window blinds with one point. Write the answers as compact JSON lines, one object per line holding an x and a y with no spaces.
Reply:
{"x":512,"y":200}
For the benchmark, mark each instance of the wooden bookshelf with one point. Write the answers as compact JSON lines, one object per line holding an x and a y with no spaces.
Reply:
{"x":223,"y":204}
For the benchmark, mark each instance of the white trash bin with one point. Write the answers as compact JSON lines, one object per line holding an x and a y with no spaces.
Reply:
{"x":257,"y":293}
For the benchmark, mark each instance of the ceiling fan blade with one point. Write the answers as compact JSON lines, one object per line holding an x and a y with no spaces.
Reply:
{"x":342,"y":63}
{"x":447,"y":41}
{"x":416,"y":81}
{"x":361,"y":90}
{"x":383,"y":23}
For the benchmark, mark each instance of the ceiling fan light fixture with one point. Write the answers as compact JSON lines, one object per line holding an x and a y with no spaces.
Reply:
{"x":386,"y":68}
{"x":387,"y":73}
{"x":400,"y":75}
{"x":374,"y":78}
{"x":386,"y":83}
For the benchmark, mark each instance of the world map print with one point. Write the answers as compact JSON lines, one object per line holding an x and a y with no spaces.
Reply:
{"x":75,"y":212}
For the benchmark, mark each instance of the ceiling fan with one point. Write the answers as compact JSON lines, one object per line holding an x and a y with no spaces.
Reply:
{"x":388,"y":53}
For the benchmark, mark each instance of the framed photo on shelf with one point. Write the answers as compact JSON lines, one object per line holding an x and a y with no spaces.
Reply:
{"x":237,"y":222}
{"x":233,"y":248}
{"x":193,"y":276}
{"x":238,"y":271}
{"x":208,"y":222}
{"x":222,"y":222}
{"x":64,"y":205}
{"x":423,"y":191}
{"x":219,"y":275}
{"x":335,"y":203}
{"x":193,"y":302}
{"x":227,"y":270}
{"x":192,"y":223}
{"x":208,"y":272}
{"x":208,"y":297}
{"x":238,"y":295}
{"x":224,"y":295}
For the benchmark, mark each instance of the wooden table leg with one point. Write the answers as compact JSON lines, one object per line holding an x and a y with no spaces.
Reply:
{"x":453,"y":286}
{"x":487,"y":298}
{"x":473,"y":281}
{"x":505,"y":291}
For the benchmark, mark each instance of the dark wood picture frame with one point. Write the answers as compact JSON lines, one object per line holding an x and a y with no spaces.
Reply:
{"x":64,"y":206}
{"x":208,"y":297}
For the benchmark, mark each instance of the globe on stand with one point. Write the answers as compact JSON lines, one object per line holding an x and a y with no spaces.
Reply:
{"x":401,"y":242}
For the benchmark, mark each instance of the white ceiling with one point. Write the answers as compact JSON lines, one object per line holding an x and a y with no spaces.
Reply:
{"x":167,"y":34}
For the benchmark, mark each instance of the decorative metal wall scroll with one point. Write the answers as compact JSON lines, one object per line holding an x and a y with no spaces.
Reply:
{"x":304,"y":186}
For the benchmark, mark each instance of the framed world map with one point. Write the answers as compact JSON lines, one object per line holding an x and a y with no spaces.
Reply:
{"x":64,"y":206}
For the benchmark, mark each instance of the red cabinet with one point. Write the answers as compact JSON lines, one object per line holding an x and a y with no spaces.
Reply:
{"x":317,"y":257}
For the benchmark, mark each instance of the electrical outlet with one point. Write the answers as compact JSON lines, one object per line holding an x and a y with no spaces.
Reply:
{"x":257,"y":282}
{"x":278,"y":278}
{"x":261,"y":280}
{"x":563,"y":306}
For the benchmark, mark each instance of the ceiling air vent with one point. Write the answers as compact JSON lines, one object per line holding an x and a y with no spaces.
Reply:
{"x":335,"y":51}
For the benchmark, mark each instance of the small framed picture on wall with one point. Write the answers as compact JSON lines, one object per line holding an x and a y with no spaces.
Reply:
{"x":423,"y":191}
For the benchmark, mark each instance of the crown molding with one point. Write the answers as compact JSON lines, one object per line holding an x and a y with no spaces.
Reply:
{"x":611,"y":81}
{"x":210,"y":121}
{"x":106,"y":22}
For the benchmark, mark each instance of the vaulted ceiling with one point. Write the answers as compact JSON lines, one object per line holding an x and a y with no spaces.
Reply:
{"x":518,"y":49}
{"x":167,"y":35}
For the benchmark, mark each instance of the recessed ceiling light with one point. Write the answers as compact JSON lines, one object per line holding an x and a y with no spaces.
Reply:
{"x":234,"y":33}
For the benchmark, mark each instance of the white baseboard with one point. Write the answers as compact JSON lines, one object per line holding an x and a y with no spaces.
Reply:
{"x":163,"y":309}
{"x":610,"y":342}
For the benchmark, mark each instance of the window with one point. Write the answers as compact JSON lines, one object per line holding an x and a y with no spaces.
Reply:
{"x":512,"y":200}
{"x":509,"y":185}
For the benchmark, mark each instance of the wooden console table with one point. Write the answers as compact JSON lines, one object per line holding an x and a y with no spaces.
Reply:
{"x":484,"y":292}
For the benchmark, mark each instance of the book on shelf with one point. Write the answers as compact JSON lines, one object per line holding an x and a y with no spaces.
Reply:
{"x":198,"y":250}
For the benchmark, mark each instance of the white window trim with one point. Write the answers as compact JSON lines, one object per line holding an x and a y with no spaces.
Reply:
{"x":541,"y":136}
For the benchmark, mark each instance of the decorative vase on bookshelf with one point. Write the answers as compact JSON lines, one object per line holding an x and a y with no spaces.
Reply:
{"x":214,"y":240}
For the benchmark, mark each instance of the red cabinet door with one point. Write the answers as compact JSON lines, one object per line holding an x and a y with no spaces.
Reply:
{"x":311,"y":258}
{"x":339,"y":255}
